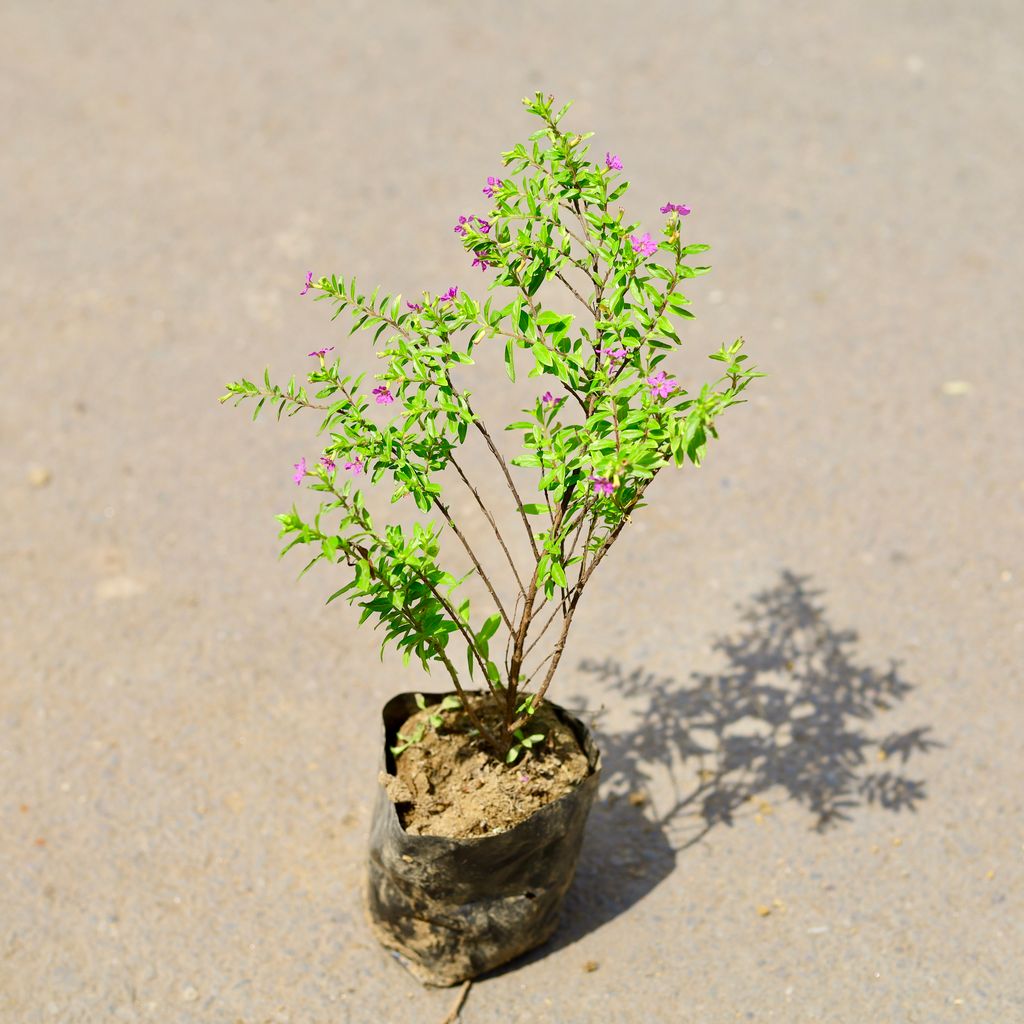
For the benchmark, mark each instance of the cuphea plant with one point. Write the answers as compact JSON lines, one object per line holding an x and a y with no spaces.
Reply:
{"x":609,"y":417}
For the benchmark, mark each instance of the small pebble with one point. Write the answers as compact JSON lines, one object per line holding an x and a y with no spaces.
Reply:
{"x":39,"y":476}
{"x":956,"y":388}
{"x":763,"y":910}
{"x":189,"y":994}
{"x":590,"y":966}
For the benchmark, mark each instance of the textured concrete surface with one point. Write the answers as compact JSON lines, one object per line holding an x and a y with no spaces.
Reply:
{"x":810,"y":650}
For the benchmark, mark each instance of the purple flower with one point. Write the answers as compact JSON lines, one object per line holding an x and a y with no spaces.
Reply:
{"x":660,"y":385}
{"x":492,"y":184}
{"x":484,"y":226}
{"x":548,"y":399}
{"x":602,"y":485}
{"x":612,"y":162}
{"x":643,"y":245}
{"x":480,"y":262}
{"x":451,"y":295}
{"x":300,"y":471}
{"x":681,"y":208}
{"x":308,"y":284}
{"x":614,"y":354}
{"x":355,"y":467}
{"x":327,"y":461}
{"x":383,"y":395}
{"x":321,"y":352}
{"x":415,"y":307}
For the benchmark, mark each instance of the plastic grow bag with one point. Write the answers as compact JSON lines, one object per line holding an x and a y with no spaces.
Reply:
{"x":455,"y":908}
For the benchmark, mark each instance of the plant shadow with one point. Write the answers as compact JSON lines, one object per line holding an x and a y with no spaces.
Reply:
{"x":787,"y":715}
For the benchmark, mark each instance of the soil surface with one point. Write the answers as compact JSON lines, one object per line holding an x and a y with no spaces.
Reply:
{"x":448,"y":784}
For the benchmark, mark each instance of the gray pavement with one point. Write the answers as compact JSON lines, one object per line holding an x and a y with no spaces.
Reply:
{"x":810,"y":649}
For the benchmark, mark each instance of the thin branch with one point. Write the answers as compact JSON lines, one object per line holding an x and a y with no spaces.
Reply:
{"x":576,"y":530}
{"x":434,"y":643}
{"x":278,"y":397}
{"x":508,"y":642}
{"x":453,"y":615}
{"x":463,"y":629}
{"x":544,"y":629}
{"x":479,"y":424}
{"x":669,"y":292}
{"x":517,"y":656}
{"x":569,"y":209}
{"x":359,"y":307}
{"x":522,"y":337}
{"x":473,"y":717}
{"x":494,"y":525}
{"x":443,"y":509}
{"x":544,"y":473}
{"x":590,"y":309}
{"x":562,"y":226}
{"x":556,"y":654}
{"x":460,"y":999}
{"x":547,"y":657}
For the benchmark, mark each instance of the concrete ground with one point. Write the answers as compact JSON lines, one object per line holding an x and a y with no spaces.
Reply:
{"x":809,"y":650}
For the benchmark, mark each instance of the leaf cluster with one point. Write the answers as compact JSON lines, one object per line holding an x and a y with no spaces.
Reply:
{"x":609,"y":420}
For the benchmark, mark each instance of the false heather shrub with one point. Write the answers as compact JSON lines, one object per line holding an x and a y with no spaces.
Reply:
{"x":608,"y":416}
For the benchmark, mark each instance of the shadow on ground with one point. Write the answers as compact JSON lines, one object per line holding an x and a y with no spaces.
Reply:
{"x":791,"y":713}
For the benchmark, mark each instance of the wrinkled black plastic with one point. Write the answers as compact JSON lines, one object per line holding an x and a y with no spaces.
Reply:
{"x":455,"y":908}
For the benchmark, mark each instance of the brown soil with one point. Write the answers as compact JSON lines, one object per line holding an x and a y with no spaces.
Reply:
{"x":449,"y":785}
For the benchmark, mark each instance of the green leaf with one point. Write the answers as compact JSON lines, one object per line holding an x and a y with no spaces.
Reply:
{"x":526,"y":705}
{"x":510,"y":366}
{"x":363,"y":575}
{"x":490,"y":627}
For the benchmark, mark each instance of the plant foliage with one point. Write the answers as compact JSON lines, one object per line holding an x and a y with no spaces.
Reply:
{"x":609,"y":420}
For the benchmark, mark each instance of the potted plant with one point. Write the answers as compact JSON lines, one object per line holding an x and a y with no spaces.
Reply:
{"x":487,"y":784}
